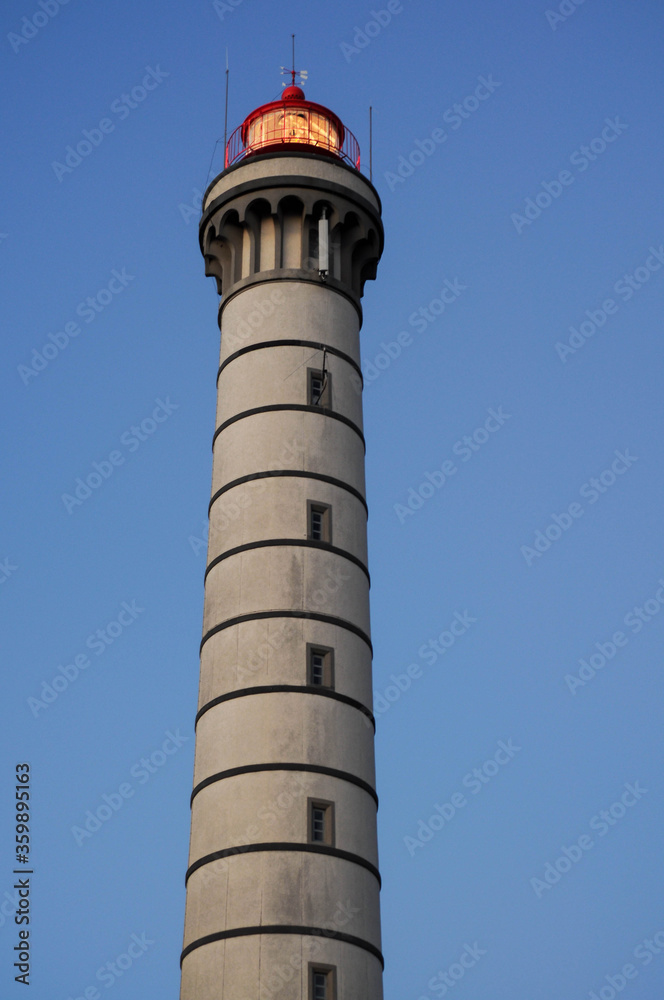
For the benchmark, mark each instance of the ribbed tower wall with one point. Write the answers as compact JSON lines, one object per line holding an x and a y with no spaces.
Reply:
{"x":266,"y":901}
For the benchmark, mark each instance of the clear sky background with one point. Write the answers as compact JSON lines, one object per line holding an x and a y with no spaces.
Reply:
{"x":456,"y":217}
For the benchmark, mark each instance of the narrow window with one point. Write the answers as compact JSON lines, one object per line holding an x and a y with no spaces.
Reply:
{"x":320,"y":666}
{"x":318,"y":824}
{"x":320,"y":522}
{"x":317,"y":668}
{"x":317,"y":523}
{"x":321,"y":822}
{"x":322,"y":984}
{"x":319,"y":388}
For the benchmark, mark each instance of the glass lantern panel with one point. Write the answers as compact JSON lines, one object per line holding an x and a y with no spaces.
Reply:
{"x":292,"y":125}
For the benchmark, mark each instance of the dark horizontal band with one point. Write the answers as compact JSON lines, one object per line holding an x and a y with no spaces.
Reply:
{"x":332,"y":772}
{"x":299,"y":473}
{"x":308,"y":543}
{"x":297,"y":407}
{"x":310,"y":615}
{"x":332,"y":852}
{"x":291,"y":343}
{"x":291,"y":274}
{"x":283,"y":929}
{"x":280,"y":689}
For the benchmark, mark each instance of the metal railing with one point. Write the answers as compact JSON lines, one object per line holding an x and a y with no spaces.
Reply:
{"x":299,"y":129}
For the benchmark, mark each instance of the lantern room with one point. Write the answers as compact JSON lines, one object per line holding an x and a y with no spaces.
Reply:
{"x":293,"y":124}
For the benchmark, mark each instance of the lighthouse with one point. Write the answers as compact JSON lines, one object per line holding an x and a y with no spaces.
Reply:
{"x":282,"y":881}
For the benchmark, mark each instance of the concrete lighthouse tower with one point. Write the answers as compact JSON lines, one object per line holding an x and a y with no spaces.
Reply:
{"x":283,"y":884}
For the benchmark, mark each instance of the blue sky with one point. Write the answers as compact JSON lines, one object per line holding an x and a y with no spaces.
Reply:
{"x":535,"y":205}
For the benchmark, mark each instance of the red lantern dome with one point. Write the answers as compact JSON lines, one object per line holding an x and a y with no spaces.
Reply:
{"x":293,"y":94}
{"x":293,"y":124}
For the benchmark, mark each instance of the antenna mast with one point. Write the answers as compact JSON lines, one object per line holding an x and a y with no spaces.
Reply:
{"x":302,"y":73}
{"x":371,"y":142}
{"x":226,"y":110}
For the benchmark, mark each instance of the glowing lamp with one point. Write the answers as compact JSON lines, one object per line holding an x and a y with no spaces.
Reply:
{"x":293,"y":124}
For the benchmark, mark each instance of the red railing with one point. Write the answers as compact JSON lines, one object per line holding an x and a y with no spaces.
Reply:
{"x":310,"y":130}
